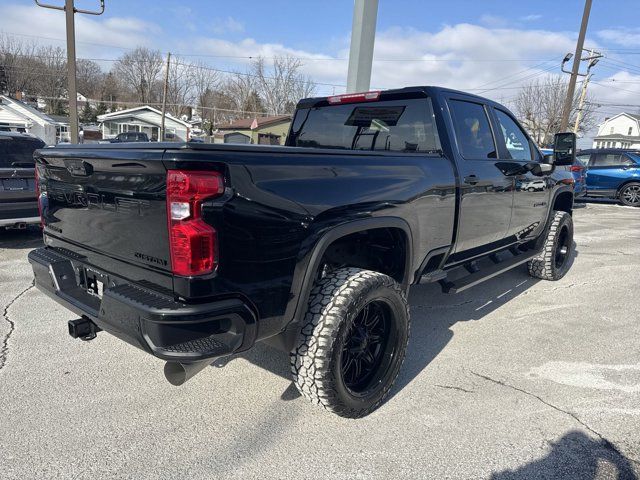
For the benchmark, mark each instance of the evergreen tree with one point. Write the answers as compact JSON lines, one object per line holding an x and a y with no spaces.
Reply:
{"x":87,"y":115}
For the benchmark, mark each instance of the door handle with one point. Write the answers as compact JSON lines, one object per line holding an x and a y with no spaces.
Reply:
{"x":471,"y":179}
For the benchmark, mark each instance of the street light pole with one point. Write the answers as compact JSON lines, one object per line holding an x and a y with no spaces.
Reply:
{"x":363,"y":36}
{"x":72,"y":91}
{"x":566,"y":111}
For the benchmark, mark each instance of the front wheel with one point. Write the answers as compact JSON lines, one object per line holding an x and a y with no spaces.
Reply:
{"x":630,"y":195}
{"x":352,"y":342}
{"x":554,"y":259}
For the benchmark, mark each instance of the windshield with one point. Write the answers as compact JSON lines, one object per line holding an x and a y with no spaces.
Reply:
{"x":397,"y":126}
{"x":18,"y":151}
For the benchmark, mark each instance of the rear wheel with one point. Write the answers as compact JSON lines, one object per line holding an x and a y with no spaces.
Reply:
{"x":630,"y":195}
{"x":352,"y":343}
{"x":554,"y":259}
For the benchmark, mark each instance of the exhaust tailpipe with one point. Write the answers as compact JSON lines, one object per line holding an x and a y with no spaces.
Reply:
{"x":178,"y":373}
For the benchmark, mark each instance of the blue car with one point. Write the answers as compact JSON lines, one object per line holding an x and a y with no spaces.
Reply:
{"x":613,"y":173}
{"x":577,"y":170}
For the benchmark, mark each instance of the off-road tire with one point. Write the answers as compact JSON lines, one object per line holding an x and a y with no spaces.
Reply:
{"x":334,"y":303}
{"x":545,"y":265}
{"x":629,"y":194}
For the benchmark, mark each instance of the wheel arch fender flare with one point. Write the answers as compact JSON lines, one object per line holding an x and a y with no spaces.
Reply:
{"x":564,"y":191}
{"x":310,"y":262}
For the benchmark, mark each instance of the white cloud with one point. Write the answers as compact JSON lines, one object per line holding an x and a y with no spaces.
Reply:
{"x":494,"y":21}
{"x":531,"y":18}
{"x":227,"y":25}
{"x":41,"y":25}
{"x":497,"y":59}
{"x":626,"y":37}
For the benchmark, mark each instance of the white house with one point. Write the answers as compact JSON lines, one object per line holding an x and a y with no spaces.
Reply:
{"x":17,"y":116}
{"x":143,"y":119}
{"x":620,"y":131}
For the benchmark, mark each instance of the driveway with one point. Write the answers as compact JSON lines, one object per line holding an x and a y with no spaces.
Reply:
{"x":514,"y":379}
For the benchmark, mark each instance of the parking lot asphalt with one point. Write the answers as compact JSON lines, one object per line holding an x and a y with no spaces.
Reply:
{"x":514,"y":379}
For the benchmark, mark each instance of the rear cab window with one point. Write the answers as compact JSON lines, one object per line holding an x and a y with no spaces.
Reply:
{"x":473,"y":130}
{"x":17,"y":152}
{"x":396,"y":126}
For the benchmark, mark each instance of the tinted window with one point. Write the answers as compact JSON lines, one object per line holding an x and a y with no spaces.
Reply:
{"x":18,"y":152}
{"x":473,"y":132}
{"x":515,"y":139}
{"x":397,"y":126}
{"x":583,"y":159}
{"x":610,"y":160}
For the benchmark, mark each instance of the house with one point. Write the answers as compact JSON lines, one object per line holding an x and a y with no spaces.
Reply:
{"x":259,"y":130}
{"x":19,"y":117}
{"x":144,"y":119}
{"x":620,"y":131}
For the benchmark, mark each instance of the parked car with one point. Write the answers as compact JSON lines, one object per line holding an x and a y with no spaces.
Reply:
{"x":126,"y":137}
{"x":533,"y":185}
{"x":577,"y":170}
{"x":18,"y":205}
{"x":613,"y":173}
{"x":201,"y":250}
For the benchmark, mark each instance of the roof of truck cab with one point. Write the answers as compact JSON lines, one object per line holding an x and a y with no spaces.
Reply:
{"x":405,"y":92}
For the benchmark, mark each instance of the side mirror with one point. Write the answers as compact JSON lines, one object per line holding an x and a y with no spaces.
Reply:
{"x":564,"y":148}
{"x":540,"y":169}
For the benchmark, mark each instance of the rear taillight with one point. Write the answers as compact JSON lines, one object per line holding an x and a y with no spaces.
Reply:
{"x":576,"y":168}
{"x":193,"y":242}
{"x":371,"y":96}
{"x":38,"y":195}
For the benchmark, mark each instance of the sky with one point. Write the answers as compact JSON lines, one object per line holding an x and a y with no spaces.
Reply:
{"x":489,"y":47}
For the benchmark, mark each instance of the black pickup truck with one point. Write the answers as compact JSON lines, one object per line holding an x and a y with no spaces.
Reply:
{"x":195,"y":251}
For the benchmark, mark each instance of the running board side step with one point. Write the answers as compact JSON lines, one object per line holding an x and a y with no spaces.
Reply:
{"x":483,"y":274}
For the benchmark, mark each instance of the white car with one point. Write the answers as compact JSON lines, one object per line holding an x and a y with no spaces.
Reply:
{"x":533,"y":185}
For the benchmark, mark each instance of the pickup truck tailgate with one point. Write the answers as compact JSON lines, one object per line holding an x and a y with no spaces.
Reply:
{"x":107,"y":205}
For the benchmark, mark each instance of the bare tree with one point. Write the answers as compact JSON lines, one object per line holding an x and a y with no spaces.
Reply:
{"x":242,"y":90}
{"x":539,"y":105}
{"x":140,"y":71}
{"x":281,"y":85}
{"x":89,"y":78}
{"x":205,"y":83}
{"x":19,"y":65}
{"x":180,"y":88}
{"x":51,"y":83}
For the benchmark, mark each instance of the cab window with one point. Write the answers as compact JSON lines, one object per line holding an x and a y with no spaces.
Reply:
{"x":473,"y":131}
{"x":514,"y":138}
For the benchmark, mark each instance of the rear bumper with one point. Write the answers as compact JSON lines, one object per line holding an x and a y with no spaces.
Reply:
{"x":157,"y":323}
{"x":12,"y":213}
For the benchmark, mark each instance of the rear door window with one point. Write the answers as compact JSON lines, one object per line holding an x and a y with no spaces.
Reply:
{"x":515,"y":139}
{"x":395,"y":126}
{"x":606,"y":160}
{"x":473,"y":131}
{"x":16,"y":152}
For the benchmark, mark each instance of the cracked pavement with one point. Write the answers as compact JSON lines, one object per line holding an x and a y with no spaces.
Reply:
{"x":514,"y":379}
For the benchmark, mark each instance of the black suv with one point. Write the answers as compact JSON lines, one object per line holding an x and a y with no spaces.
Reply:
{"x":127,"y":137}
{"x":18,"y":205}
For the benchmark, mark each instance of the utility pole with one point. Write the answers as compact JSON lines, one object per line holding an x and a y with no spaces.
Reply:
{"x":592,"y":59}
{"x":72,"y":91}
{"x":363,"y":36}
{"x":164,"y":97}
{"x":583,"y":95}
{"x":566,"y":111}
